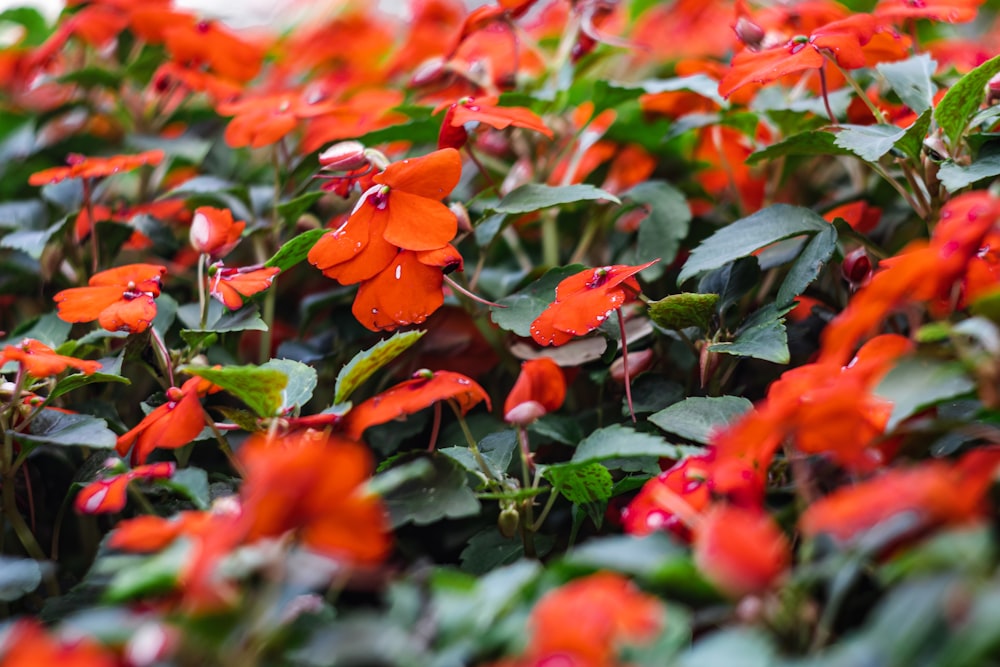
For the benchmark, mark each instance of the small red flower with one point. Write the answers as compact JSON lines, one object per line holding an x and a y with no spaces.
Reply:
{"x":231,"y":285}
{"x":264,"y":120}
{"x":539,"y":390}
{"x":120,"y":299}
{"x":214,"y":232}
{"x":80,"y":166}
{"x":669,"y":499}
{"x":485,"y":110}
{"x":741,"y":551}
{"x":41,"y":361}
{"x":169,"y":426}
{"x":109,"y":494}
{"x":952,"y":11}
{"x":425,"y":389}
{"x":27,"y":645}
{"x":583,"y":301}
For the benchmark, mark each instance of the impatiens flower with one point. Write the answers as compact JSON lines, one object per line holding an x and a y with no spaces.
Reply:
{"x":586,"y":622}
{"x":80,"y":166}
{"x":264,"y":120}
{"x":26,"y":644}
{"x":41,"y":361}
{"x":169,"y":426}
{"x":423,"y":390}
{"x":952,"y":11}
{"x":583,"y":301}
{"x":230,"y":285}
{"x":109,"y":494}
{"x":214,"y":232}
{"x":120,"y":299}
{"x":485,"y":110}
{"x":741,"y":551}
{"x":539,"y":390}
{"x":211,"y":43}
{"x":671,"y":499}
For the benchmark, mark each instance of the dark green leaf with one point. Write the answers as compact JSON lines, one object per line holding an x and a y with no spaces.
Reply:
{"x":580,"y":484}
{"x":291,"y":210}
{"x":912,"y":142}
{"x":187,"y":146}
{"x":680,"y":311}
{"x":696,"y":417}
{"x":77,"y":380}
{"x":524,"y":307}
{"x":661,"y":233}
{"x":193,"y":483}
{"x":637,"y":556}
{"x":731,"y":282}
{"x":535,"y":196}
{"x":911,"y":80}
{"x":808,"y":265}
{"x":490,"y":550}
{"x":31,"y":242}
{"x":613,"y":442}
{"x":260,"y":388}
{"x":917,"y":383}
{"x":18,"y":577}
{"x":487,"y":229}
{"x":746,"y":235}
{"x":302,"y":381}
{"x":52,"y":427}
{"x":954,"y":177}
{"x":364,"y":364}
{"x":813,"y":142}
{"x":424,"y":131}
{"x":47,"y":329}
{"x":963,"y":99}
{"x":868,"y":142}
{"x":762,"y":336}
{"x":437,"y":490}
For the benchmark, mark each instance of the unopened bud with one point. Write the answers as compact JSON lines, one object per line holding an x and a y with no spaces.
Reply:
{"x":344,"y":156}
{"x":508,"y":521}
{"x":637,"y":363}
{"x":462,"y":213}
{"x":749,"y":33}
{"x":993,"y":90}
{"x":857,"y":268}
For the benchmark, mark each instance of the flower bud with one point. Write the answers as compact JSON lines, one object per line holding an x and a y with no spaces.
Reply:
{"x":462,"y":213}
{"x":749,"y":33}
{"x":344,"y":156}
{"x":637,"y":363}
{"x":213,"y":231}
{"x":857,"y":268}
{"x":508,"y":521}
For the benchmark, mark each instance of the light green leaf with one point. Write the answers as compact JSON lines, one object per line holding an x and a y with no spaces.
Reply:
{"x":963,"y":99}
{"x":680,"y":311}
{"x":302,"y":380}
{"x":617,"y":441}
{"x":911,"y":80}
{"x":148,"y":576}
{"x":18,"y":577}
{"x":364,"y":364}
{"x":954,"y":177}
{"x":535,"y":196}
{"x":260,"y":388}
{"x":580,"y":484}
{"x":696,"y":417}
{"x":746,"y":235}
{"x":813,"y":142}
{"x":295,"y":250}
{"x":291,"y":210}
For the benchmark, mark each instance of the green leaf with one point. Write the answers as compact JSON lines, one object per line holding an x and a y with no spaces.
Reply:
{"x":954,"y":177}
{"x":732,"y":647}
{"x":364,"y":364}
{"x":535,"y":196}
{"x":302,"y":381}
{"x":30,"y":241}
{"x":149,"y":576}
{"x":193,"y":483}
{"x":489,"y":550}
{"x":27,"y":214}
{"x":637,"y":556}
{"x":246,"y":318}
{"x":697,"y":417}
{"x":497,"y":449}
{"x":680,"y":311}
{"x":702,"y":84}
{"x":36,"y":29}
{"x":813,"y":142}
{"x":808,"y":265}
{"x":746,"y":235}
{"x":295,"y":250}
{"x":52,"y":427}
{"x":617,"y":441}
{"x":291,"y":210}
{"x":262,"y":389}
{"x":762,"y":336}
{"x":487,"y":229}
{"x":868,"y":142}
{"x":963,"y":99}
{"x":524,"y":307}
{"x":47,"y":329}
{"x":911,"y":80}
{"x":423,"y":131}
{"x":912,"y":142}
{"x":77,"y":380}
{"x":18,"y":577}
{"x":580,"y":484}
{"x":92,"y":77}
{"x":917,"y":383}
{"x":437,"y":490}
{"x":661,"y":233}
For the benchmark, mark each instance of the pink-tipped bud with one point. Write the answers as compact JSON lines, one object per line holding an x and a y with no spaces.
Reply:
{"x":214,"y":232}
{"x":749,"y":33}
{"x":857,"y":268}
{"x":344,"y":156}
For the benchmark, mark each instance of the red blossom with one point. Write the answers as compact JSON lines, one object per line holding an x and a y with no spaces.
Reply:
{"x":539,"y":390}
{"x":41,"y":361}
{"x":169,"y":426}
{"x":80,"y":166}
{"x":120,"y":299}
{"x":485,"y":110}
{"x":214,"y":232}
{"x":230,"y":285}
{"x":109,"y":494}
{"x":741,"y":551}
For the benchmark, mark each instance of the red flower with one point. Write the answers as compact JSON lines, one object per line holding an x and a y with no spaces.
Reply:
{"x":425,"y":389}
{"x":539,"y":390}
{"x":484,"y":110}
{"x":81,"y":166}
{"x":658,"y":506}
{"x":109,"y":494}
{"x":741,"y":551}
{"x":27,"y":645}
{"x":169,"y":426}
{"x":120,"y":299}
{"x":840,"y":40}
{"x":585,"y":300}
{"x":264,"y":120}
{"x":952,"y":11}
{"x":41,"y":361}
{"x":210,"y":43}
{"x":230,"y":285}
{"x":213,"y":231}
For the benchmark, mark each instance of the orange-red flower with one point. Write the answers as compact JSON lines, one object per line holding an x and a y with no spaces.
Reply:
{"x":422,"y":391}
{"x":120,"y":299}
{"x":210,"y":43}
{"x":263,"y":120}
{"x":230,"y":285}
{"x":109,"y":494}
{"x":585,"y":300}
{"x":952,"y":11}
{"x":658,"y":505}
{"x":485,"y":110}
{"x":27,"y":645}
{"x":169,"y":426}
{"x":41,"y":361}
{"x":214,"y":232}
{"x":80,"y":166}
{"x":539,"y":390}
{"x":741,"y":551}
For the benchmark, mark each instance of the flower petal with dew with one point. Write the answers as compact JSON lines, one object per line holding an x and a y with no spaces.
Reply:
{"x":485,"y":110}
{"x":169,"y":426}
{"x":584,"y":300}
{"x":109,"y":494}
{"x":671,"y":499}
{"x":120,"y":299}
{"x":539,"y":389}
{"x":41,"y":361}
{"x":422,"y":391}
{"x":231,"y":285}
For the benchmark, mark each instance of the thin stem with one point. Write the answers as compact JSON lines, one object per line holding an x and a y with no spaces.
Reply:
{"x":825,"y":93}
{"x":527,"y":507}
{"x":89,"y":206}
{"x":917,"y":208}
{"x":876,"y":112}
{"x":628,"y":379}
{"x":202,"y":287}
{"x":535,"y":527}
{"x":471,"y":442}
{"x":435,"y":427}
{"x":478,"y":299}
{"x":482,"y":169}
{"x":163,"y":354}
